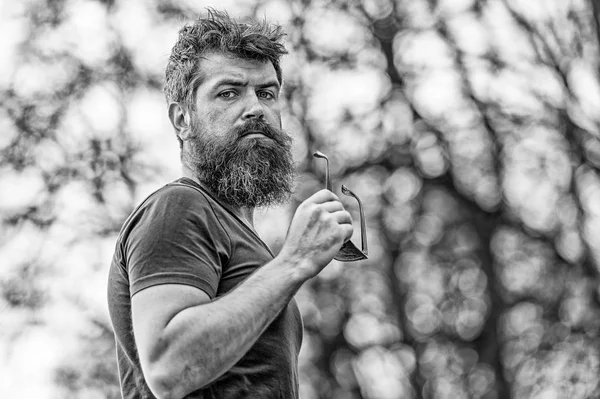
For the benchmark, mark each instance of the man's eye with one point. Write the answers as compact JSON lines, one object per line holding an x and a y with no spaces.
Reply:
{"x":227,"y":94}
{"x":266,"y":95}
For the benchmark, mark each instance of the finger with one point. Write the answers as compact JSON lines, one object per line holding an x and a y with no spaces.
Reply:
{"x":323,"y":196}
{"x":343,"y":217}
{"x":332,"y":206}
{"x":348,"y":231}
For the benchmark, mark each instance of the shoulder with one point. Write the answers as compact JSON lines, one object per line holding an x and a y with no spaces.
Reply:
{"x":174,"y":205}
{"x":177,"y":190}
{"x":179,"y":197}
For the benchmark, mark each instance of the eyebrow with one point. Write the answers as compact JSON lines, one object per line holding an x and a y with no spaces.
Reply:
{"x":244,"y":82}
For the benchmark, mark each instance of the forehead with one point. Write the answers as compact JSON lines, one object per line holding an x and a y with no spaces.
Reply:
{"x":215,"y":67}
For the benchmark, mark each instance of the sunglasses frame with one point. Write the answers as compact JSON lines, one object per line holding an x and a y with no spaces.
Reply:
{"x":349,"y":252}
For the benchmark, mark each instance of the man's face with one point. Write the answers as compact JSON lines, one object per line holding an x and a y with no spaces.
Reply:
{"x":238,"y":148}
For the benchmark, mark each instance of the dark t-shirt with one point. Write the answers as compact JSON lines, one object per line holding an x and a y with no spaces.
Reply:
{"x":182,"y":235}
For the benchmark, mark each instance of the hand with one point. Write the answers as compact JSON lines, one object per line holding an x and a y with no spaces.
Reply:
{"x":318,"y":229}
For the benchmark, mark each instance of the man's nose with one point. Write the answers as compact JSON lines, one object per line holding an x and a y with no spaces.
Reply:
{"x":254,"y":108}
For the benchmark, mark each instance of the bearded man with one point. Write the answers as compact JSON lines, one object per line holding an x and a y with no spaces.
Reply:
{"x":200,"y":306}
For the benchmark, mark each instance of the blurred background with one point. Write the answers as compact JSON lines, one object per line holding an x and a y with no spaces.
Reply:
{"x":469,"y":128}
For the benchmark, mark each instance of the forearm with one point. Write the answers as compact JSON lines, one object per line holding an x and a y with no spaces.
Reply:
{"x":204,"y":341}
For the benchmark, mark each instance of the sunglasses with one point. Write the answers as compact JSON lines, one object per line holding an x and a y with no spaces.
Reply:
{"x":348,"y":252}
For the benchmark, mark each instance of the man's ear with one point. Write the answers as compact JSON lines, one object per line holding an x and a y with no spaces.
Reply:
{"x":181,"y":120}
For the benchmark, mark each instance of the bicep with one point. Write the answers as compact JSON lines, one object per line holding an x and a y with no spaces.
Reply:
{"x":152,"y":309}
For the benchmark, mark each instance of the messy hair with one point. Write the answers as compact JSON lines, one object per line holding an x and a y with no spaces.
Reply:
{"x":218,"y":32}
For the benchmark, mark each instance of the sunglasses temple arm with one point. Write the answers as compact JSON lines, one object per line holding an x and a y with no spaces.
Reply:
{"x":363,"y":223}
{"x":328,"y":184}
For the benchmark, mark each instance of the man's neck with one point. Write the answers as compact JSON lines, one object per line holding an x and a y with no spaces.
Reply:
{"x":246,"y":214}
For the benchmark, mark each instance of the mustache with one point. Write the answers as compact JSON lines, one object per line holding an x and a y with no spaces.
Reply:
{"x":263,"y":127}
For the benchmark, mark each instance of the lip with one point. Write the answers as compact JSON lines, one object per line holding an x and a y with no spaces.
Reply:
{"x":254,"y":134}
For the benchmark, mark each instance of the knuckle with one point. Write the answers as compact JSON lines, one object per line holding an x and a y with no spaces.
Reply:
{"x":325,"y":216}
{"x":310,"y":208}
{"x":316,"y":208}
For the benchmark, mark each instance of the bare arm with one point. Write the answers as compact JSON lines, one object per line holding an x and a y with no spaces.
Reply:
{"x":185,"y":341}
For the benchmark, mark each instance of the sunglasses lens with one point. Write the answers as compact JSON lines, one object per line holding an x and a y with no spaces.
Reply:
{"x":349,"y":252}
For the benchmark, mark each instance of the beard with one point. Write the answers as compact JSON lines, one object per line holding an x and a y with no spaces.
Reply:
{"x":243,"y":172}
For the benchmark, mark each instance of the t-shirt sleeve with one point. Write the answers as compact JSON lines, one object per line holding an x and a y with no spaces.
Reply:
{"x":175,"y":238}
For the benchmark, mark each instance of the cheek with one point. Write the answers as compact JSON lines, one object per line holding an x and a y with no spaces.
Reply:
{"x":212,"y":116}
{"x":274,"y":117}
{"x":211,"y":122}
{"x":219,"y":124}
{"x":221,"y":118}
